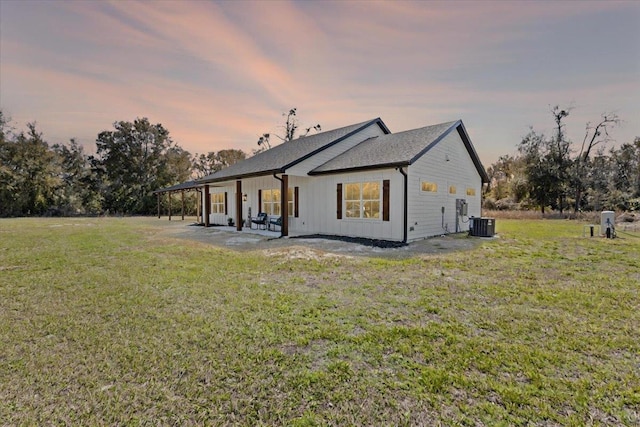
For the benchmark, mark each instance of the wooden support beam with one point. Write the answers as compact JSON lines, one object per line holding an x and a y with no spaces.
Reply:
{"x":284,"y":207}
{"x":199,"y":207}
{"x":239,"y":205}
{"x":169,"y":199}
{"x":182,"y":198}
{"x":158,"y":194}
{"x":207,"y":205}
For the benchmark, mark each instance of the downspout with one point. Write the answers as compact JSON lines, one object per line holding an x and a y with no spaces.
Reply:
{"x":406,"y":203}
{"x":281,"y":183}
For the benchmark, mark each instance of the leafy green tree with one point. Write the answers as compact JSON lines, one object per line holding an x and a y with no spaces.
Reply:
{"x":596,"y":182}
{"x":558,"y":157}
{"x":79,"y":192}
{"x":553,"y":176}
{"x":30,"y":172}
{"x":508,"y":186}
{"x":134,"y":160}
{"x":206,"y":164}
{"x":7,"y":173}
{"x":625,"y":174}
{"x":540,"y":169}
{"x":230,"y":156}
{"x":176,"y":165}
{"x":547,"y":163}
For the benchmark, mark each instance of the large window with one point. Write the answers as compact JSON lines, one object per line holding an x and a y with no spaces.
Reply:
{"x":362,"y":200}
{"x":217,"y":203}
{"x":271,"y":201}
{"x":290,"y":203}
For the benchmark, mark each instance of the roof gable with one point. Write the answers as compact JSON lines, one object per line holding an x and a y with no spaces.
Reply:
{"x":288,"y":154}
{"x":472,"y":152}
{"x":398,"y":149}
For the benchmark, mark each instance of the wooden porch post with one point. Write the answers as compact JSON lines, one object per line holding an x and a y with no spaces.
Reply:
{"x":182,"y":197}
{"x":169,"y":198}
{"x":199,"y":207}
{"x":239,"y":205}
{"x":158,"y":194}
{"x":207,"y":205}
{"x":284,"y":204}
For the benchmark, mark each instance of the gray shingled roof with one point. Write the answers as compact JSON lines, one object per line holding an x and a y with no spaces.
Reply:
{"x":397,"y":149}
{"x":287,"y":154}
{"x":393,"y":149}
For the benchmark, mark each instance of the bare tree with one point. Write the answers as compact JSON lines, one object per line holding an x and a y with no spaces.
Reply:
{"x":593,"y":136}
{"x":598,"y":134}
{"x":290,"y":128}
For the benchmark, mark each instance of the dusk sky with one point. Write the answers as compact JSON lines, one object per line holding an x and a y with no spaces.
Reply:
{"x":219,"y":74}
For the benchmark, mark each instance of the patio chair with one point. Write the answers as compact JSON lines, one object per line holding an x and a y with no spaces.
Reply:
{"x":260,"y":221}
{"x":275,"y":222}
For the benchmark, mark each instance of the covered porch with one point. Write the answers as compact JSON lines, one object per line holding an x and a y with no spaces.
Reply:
{"x":271,"y":234}
{"x":242,"y":202}
{"x":181,"y":188}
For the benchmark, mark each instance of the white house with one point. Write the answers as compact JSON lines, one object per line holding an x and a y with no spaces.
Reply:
{"x":358,"y":181}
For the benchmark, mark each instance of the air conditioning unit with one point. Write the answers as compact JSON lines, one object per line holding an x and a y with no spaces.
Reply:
{"x":482,"y":227}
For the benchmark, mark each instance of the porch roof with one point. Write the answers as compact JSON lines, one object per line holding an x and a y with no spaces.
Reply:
{"x":188,"y":185}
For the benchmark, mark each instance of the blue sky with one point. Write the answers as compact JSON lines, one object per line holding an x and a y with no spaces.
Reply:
{"x":219,"y":74}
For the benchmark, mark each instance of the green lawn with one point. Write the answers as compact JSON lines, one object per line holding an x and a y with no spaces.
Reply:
{"x":107,"y":321}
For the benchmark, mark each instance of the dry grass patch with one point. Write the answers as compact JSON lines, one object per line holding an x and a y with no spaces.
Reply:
{"x":300,"y":252}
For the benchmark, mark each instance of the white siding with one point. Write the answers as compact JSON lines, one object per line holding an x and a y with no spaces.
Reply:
{"x":318,"y":208}
{"x":303,"y":168}
{"x":447,"y":164}
{"x":221,"y":218}
{"x":250,"y":187}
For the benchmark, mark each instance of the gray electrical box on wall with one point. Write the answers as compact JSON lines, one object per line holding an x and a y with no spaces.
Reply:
{"x":462,"y":207}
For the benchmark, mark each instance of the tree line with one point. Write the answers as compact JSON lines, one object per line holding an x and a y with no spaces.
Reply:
{"x":131,"y":161}
{"x":550,"y":172}
{"x":136,"y":158}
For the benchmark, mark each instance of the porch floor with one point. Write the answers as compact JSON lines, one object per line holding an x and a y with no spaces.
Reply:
{"x":247,"y":230}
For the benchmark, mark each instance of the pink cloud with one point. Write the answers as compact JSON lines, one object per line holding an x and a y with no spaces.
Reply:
{"x":337,"y":62}
{"x":202,"y":30}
